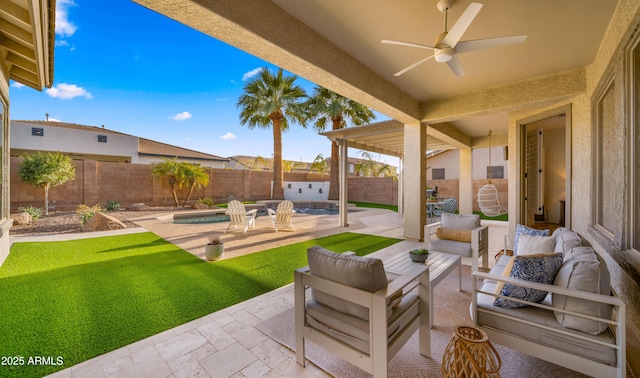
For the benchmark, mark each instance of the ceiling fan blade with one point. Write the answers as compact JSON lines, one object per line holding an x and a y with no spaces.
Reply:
{"x":413,"y":66}
{"x":455,"y":66}
{"x":479,"y":44}
{"x":456,"y":32}
{"x":389,"y":42}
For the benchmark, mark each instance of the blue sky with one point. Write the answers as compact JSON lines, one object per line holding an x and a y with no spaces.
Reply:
{"x":134,"y":71}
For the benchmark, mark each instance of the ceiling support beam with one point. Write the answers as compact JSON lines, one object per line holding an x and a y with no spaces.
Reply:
{"x":531,"y":92}
{"x":447,"y":133}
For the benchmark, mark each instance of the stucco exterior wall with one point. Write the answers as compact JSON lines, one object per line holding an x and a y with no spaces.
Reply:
{"x":72,"y":141}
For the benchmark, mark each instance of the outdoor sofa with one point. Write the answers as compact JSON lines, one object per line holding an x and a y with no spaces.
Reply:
{"x":578,"y":324}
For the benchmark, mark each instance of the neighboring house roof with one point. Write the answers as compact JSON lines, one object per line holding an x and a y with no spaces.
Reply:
{"x":153,"y":148}
{"x":146,"y":147}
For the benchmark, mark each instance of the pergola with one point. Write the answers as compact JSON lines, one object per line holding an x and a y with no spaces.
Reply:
{"x":388,"y":137}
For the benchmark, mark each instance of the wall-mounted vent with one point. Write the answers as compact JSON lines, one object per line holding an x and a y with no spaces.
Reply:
{"x":102,"y":138}
{"x":37,"y":131}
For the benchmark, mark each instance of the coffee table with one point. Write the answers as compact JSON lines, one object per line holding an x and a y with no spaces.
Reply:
{"x":440,"y":265}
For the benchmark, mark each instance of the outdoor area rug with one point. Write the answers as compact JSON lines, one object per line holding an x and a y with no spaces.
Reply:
{"x":452,"y":308}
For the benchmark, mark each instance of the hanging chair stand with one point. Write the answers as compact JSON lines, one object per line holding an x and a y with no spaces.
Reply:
{"x":488,"y":200}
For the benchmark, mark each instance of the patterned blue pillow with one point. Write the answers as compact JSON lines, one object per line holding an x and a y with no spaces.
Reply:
{"x":541,"y":268}
{"x":522,"y":229}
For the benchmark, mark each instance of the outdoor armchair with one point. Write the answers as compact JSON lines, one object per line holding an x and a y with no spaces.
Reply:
{"x":460,"y":235}
{"x":352,"y":310}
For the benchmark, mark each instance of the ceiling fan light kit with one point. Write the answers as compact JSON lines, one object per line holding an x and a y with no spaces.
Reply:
{"x":448,"y":44}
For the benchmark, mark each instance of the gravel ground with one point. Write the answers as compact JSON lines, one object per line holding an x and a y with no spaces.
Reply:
{"x":69,"y":222}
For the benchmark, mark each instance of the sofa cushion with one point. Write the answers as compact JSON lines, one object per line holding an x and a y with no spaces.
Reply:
{"x":364,"y":273}
{"x":522,"y":229}
{"x":456,"y":234}
{"x":465,"y":222}
{"x":535,"y":244}
{"x":540,"y":268}
{"x":566,"y":239}
{"x":582,"y":270}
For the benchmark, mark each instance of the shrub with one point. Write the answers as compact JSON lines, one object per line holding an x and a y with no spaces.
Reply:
{"x":85,"y":212}
{"x":113,"y":205}
{"x":35,"y":212}
{"x":207,"y":201}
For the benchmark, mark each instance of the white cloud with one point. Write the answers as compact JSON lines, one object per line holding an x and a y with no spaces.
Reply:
{"x":227,"y":136}
{"x":181,"y":116}
{"x":251,"y":74}
{"x":15,"y":84}
{"x":68,"y":91}
{"x":64,"y":27}
{"x":62,"y":43}
{"x":222,"y":99}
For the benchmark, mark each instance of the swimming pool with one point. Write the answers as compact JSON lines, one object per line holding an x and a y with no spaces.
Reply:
{"x":221,"y":217}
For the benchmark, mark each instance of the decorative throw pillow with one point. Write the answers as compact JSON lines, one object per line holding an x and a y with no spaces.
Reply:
{"x":535,"y":244}
{"x":540,"y":268}
{"x":454,"y":234}
{"x":522,"y":229}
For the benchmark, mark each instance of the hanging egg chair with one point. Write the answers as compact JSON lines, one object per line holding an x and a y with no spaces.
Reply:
{"x":488,"y":199}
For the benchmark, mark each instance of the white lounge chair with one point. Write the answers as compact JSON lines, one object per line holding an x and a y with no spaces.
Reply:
{"x":282,"y":215}
{"x":240,"y":217}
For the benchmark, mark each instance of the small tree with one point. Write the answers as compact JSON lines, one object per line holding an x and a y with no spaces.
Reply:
{"x":320,"y":164}
{"x":46,"y":169}
{"x":192,"y":176}
{"x":169,"y":169}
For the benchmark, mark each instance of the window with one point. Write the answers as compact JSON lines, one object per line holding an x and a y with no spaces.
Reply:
{"x":633,"y":229}
{"x":495,"y":172}
{"x":606,"y":170}
{"x":102,"y":138}
{"x":37,"y":131}
{"x":437,"y":173}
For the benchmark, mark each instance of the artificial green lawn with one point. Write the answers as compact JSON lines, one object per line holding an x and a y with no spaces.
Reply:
{"x":79,"y":299}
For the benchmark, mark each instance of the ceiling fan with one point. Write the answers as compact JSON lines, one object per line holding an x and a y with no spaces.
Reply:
{"x":448,"y":44}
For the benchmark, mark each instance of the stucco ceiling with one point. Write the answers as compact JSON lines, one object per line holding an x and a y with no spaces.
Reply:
{"x":562,"y":34}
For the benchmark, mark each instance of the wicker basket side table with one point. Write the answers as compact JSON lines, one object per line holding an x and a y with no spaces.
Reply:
{"x":470,"y":354}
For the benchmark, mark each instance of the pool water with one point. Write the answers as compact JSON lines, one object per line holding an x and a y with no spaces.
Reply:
{"x":217,"y":218}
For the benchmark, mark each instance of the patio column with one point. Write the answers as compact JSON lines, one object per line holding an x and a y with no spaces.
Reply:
{"x":465,"y":203}
{"x":415,"y":180}
{"x":344,"y":184}
{"x":401,"y":185}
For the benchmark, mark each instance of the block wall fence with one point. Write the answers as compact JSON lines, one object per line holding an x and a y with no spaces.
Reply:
{"x":97,"y":182}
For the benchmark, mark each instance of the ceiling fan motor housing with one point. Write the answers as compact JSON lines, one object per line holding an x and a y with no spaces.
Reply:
{"x":444,"y":5}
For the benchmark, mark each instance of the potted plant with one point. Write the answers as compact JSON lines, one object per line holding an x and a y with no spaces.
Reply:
{"x":214,"y":249}
{"x":419,"y":254}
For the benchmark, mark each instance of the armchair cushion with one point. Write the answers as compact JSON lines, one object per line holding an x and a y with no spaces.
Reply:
{"x":582,"y":270}
{"x":461,"y":235}
{"x":364,"y":273}
{"x":541,"y":268}
{"x":465,"y":222}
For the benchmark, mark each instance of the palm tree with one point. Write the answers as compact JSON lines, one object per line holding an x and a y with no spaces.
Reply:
{"x":169,"y":168}
{"x":329,"y":107}
{"x":192,"y":176}
{"x":273,"y":101}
